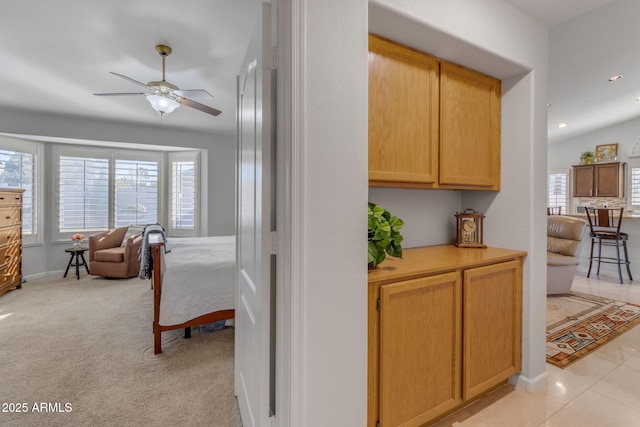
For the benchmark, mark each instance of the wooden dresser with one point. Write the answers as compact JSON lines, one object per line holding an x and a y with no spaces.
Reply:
{"x":445,"y":328}
{"x":10,"y":239}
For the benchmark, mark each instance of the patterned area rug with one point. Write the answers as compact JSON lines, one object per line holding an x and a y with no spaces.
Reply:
{"x":579,"y":323}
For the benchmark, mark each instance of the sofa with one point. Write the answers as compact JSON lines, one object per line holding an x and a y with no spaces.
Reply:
{"x":115,"y":253}
{"x":564,"y":239}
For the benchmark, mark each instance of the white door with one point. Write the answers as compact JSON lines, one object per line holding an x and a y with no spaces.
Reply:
{"x":254,"y":230}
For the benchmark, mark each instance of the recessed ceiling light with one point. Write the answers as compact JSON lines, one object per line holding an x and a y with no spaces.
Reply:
{"x":615,"y":78}
{"x":563,"y":125}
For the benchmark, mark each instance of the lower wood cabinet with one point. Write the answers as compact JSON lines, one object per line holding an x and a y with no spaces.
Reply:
{"x":444,"y":329}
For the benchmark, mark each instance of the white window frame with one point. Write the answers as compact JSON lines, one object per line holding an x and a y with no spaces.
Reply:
{"x":184,"y":156}
{"x":37,"y":149}
{"x":102,"y":152}
{"x":567,"y":201}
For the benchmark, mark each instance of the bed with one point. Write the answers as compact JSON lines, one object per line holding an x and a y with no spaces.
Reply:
{"x":193,"y":283}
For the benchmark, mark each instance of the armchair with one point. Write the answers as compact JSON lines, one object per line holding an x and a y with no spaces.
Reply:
{"x":109,"y":257}
{"x":564,"y":239}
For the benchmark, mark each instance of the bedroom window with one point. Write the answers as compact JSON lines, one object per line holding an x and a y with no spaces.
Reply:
{"x":136,"y":183}
{"x":83,"y":193}
{"x":20,"y":168}
{"x":100,"y":189}
{"x":184,"y":207}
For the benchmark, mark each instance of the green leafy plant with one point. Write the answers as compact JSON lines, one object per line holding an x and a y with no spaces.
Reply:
{"x":384,"y":235}
{"x":587,"y":157}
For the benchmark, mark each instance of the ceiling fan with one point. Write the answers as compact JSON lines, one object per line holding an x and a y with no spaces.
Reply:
{"x":163,"y":96}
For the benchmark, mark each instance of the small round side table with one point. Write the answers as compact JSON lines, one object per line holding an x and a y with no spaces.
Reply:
{"x":78,"y":254}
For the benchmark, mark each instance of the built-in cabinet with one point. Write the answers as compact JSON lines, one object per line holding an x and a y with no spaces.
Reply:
{"x":432,"y":124}
{"x":10,"y":239}
{"x":445,"y":326}
{"x":599,"y":180}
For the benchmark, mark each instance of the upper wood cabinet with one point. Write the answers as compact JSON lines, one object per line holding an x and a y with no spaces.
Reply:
{"x":469,"y":128}
{"x":403,"y":114}
{"x":599,"y":180}
{"x":432,"y":124}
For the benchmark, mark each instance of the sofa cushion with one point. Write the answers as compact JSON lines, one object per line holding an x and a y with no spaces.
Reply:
{"x":559,"y":259}
{"x":110,"y":255}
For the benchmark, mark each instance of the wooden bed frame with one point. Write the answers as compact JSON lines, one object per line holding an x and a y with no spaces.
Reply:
{"x":156,"y":278}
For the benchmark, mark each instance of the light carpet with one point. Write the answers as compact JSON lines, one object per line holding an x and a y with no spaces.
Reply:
{"x":579,"y":323}
{"x":80,"y":352}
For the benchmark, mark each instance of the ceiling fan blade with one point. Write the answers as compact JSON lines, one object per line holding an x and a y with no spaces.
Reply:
{"x":120,"y":93}
{"x":192,"y":92}
{"x":129,"y":78}
{"x":198,"y":106}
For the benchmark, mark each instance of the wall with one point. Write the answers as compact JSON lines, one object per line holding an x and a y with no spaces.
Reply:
{"x":515,"y":50}
{"x":332,"y":286}
{"x":219,"y":193}
{"x":565,"y":153}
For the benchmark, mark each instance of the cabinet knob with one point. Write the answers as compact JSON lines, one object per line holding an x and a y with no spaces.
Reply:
{"x":8,"y":217}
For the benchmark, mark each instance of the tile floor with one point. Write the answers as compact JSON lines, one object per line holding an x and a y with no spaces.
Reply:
{"x":602,"y":389}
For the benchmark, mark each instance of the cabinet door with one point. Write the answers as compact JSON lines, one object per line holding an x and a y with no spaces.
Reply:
{"x":606,"y":180}
{"x":420,"y":349}
{"x":469,"y":128}
{"x":583,"y":181}
{"x":403,"y":115}
{"x":492,"y":318}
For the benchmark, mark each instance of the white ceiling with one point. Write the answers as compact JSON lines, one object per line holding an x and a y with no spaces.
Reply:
{"x":55,"y":55}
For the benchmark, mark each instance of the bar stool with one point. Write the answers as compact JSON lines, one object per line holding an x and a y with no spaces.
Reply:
{"x":556,"y":210}
{"x":605,"y":225}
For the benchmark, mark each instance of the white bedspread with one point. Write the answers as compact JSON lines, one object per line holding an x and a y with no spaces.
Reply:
{"x":197,"y":278}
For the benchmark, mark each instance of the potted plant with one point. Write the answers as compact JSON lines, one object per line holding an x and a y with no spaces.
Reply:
{"x":384,"y":235}
{"x":586,"y":158}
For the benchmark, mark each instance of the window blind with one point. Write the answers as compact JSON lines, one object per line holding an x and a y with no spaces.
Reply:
{"x":136,"y":192}
{"x":183,"y":194}
{"x":83,"y":193}
{"x":557,"y":190}
{"x":18,"y":170}
{"x":635,"y":187}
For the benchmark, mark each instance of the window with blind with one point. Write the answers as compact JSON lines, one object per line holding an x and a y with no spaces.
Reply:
{"x":136,"y":183}
{"x":635,"y":188}
{"x":558,"y":195}
{"x":83,"y":194}
{"x":20,"y":167}
{"x":183,"y":219}
{"x":100,"y":189}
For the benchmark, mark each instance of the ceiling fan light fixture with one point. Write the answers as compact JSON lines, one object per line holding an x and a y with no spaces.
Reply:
{"x":162,"y":104}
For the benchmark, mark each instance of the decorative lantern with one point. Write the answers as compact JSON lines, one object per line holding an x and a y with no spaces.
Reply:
{"x":469,"y":229}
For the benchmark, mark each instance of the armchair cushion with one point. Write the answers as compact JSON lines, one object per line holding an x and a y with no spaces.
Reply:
{"x":110,"y":255}
{"x":132,"y":230}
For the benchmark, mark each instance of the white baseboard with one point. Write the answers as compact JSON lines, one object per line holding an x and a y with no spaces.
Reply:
{"x":531,"y":385}
{"x":40,"y":275}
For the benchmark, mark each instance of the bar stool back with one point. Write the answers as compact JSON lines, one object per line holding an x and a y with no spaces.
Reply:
{"x":604,"y":225}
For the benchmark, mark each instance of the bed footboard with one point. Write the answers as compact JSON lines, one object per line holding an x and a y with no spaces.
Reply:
{"x":157,"y":294}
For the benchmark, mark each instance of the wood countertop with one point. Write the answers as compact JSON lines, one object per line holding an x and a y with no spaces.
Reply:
{"x":429,"y":260}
